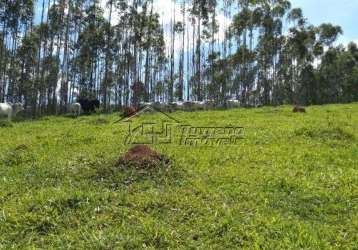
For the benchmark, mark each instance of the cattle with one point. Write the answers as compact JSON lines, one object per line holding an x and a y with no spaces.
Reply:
{"x":10,"y":110}
{"x":129,"y":111}
{"x":144,"y":104}
{"x":210,"y":104}
{"x":75,"y":109}
{"x":199,"y":105}
{"x":194,"y":105}
{"x":188,"y":106}
{"x":89,"y":105}
{"x":159,"y":106}
{"x":178,"y":105}
{"x":299,"y":109}
{"x":233,"y":103}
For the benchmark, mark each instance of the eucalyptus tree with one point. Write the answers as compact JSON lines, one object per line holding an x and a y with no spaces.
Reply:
{"x":181,"y":28}
{"x":328,"y":33}
{"x":153,"y":47}
{"x":3,"y":48}
{"x":17,"y":20}
{"x":26,"y":59}
{"x":350,"y":86}
{"x":337,"y":75}
{"x":306,"y":44}
{"x":52,"y":57}
{"x":200,"y":12}
{"x":244,"y":23}
{"x":107,"y":82}
{"x":4,"y":53}
{"x":67,"y":19}
{"x":90,"y":44}
{"x":269,"y":45}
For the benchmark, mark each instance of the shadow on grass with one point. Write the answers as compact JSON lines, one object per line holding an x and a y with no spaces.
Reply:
{"x":116,"y":176}
{"x":107,"y":172}
{"x":99,"y":121}
{"x":5,"y":124}
{"x":21,"y":154}
{"x":335,"y":133}
{"x":290,"y":198}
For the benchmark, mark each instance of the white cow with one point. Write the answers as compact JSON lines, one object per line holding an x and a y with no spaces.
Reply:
{"x":199,"y":105}
{"x":75,"y":108}
{"x":146,"y":104}
{"x":179,"y":105}
{"x":10,"y":110}
{"x":233,"y":103}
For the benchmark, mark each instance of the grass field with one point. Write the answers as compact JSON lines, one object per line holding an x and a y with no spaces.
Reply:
{"x":291,"y":183}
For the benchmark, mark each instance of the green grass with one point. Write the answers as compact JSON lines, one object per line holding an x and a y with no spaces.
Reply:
{"x":291,"y":183}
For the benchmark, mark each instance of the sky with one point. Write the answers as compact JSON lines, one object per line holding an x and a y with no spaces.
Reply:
{"x":338,"y":12}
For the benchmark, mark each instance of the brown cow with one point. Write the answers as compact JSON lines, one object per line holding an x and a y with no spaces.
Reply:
{"x":299,"y":109}
{"x":129,"y":111}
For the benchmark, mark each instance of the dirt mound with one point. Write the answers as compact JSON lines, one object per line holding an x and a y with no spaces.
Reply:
{"x":143,"y":157}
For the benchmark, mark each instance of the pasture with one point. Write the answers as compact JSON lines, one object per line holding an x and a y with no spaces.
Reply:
{"x":291,"y":183}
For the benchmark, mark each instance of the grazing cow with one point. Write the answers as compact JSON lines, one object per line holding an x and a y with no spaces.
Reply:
{"x":233,"y":103}
{"x":159,"y":106}
{"x":75,"y":109}
{"x":188,"y":106}
{"x":129,"y":111}
{"x":146,"y":104}
{"x":299,"y":109}
{"x":210,"y":104}
{"x":179,"y":105}
{"x":89,"y":105}
{"x":96,"y":103}
{"x":10,"y":109}
{"x":199,"y":105}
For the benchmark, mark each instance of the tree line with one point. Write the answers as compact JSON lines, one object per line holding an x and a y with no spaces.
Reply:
{"x":259,"y":52}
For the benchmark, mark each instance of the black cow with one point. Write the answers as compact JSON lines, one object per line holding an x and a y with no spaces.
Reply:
{"x":89,"y":105}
